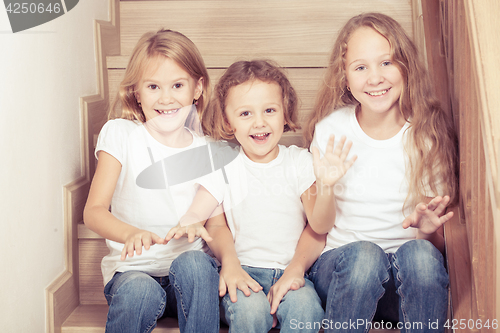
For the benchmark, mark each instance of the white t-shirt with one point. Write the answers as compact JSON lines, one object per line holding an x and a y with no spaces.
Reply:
{"x":156,"y":210}
{"x":371,"y":195}
{"x":263,"y":207}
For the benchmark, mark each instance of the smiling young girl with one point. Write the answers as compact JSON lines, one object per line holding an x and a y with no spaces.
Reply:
{"x":165,"y":77}
{"x":383,"y":258}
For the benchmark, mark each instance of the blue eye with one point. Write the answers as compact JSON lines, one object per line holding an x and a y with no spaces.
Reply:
{"x":178,"y":85}
{"x":153,"y":86}
{"x":360,"y":68}
{"x":270,"y":110}
{"x":245,"y":114}
{"x":386,"y":63}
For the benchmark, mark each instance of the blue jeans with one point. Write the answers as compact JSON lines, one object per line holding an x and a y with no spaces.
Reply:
{"x":137,"y":300}
{"x":359,"y":282}
{"x":252,"y":314}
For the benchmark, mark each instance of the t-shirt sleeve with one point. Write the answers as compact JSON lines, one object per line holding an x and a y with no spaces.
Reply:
{"x":214,"y":183}
{"x":317,"y":141}
{"x":305,"y":169}
{"x":111,"y":139}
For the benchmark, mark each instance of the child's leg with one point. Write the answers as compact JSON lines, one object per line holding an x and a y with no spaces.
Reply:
{"x":136,"y":300}
{"x":195,"y":280}
{"x":300,"y":310}
{"x":350,"y":281}
{"x":250,"y":314}
{"x":422,"y":286}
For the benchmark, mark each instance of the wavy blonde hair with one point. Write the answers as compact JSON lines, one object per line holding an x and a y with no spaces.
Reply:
{"x":432,"y":141}
{"x":152,"y":45}
{"x":214,"y":120}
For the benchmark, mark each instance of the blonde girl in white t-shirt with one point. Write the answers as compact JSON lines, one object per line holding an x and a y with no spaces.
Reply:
{"x":148,"y":272}
{"x":383,"y":258}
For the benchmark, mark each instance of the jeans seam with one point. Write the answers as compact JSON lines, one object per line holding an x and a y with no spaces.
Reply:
{"x":181,"y":300}
{"x":399,"y":292}
{"x":153,"y":325}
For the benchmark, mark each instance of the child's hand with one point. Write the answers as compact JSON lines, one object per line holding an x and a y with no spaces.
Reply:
{"x":427,"y":218}
{"x":288,"y":281}
{"x":137,"y":240}
{"x":190,"y":231}
{"x":234,"y":277}
{"x":333,"y":165}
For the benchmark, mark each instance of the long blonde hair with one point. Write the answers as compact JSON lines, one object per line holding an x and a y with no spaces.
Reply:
{"x":432,"y":141}
{"x":164,"y":43}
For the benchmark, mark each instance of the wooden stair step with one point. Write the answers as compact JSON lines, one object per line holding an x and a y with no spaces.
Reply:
{"x":92,"y":319}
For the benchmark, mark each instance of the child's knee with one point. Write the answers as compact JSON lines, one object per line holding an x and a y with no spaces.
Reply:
{"x":132,"y":286}
{"x":302,"y":304}
{"x":249,"y":309}
{"x":364,"y":260}
{"x":194,"y":266}
{"x":422,"y":262}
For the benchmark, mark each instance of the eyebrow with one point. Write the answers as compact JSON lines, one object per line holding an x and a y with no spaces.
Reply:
{"x":176,"y":80}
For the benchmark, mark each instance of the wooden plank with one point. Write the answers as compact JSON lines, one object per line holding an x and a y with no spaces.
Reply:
{"x":92,"y":319}
{"x":253,"y":28}
{"x":91,"y":284}
{"x":213,"y":60}
{"x":459,"y":266}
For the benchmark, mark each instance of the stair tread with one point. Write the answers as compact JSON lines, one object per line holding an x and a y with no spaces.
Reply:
{"x":92,"y":319}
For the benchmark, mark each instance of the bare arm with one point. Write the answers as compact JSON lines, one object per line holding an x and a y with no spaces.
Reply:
{"x":98,"y":218}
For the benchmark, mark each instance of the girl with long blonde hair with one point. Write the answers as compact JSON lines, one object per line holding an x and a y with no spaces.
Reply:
{"x":387,"y":240}
{"x":151,"y":270}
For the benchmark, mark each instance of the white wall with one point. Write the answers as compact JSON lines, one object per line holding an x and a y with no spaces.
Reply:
{"x":43,"y":73}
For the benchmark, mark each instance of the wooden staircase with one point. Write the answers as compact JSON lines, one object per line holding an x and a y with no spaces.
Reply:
{"x":298,"y":35}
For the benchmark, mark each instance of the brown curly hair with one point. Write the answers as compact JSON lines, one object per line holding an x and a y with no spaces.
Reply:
{"x":214,"y":121}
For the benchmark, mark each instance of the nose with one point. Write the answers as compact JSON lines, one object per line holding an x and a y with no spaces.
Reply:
{"x":165,"y":97}
{"x":259,"y":120}
{"x":375,"y":76}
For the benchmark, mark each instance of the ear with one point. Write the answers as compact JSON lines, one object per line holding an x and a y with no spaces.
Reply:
{"x":137,"y":97}
{"x":199,"y":88}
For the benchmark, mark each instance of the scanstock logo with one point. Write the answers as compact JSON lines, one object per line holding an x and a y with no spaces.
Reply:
{"x":26,"y":14}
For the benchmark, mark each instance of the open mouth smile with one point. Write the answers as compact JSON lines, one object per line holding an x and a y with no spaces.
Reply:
{"x":377,"y":93}
{"x":167,"y":112}
{"x":260,"y":138}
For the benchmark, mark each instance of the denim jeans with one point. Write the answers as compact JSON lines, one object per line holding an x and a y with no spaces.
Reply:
{"x":252,"y":314}
{"x":137,"y":300}
{"x":359,"y":282}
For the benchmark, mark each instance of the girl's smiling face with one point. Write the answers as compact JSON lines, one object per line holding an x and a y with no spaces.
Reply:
{"x":254,"y":110}
{"x":166,"y":92}
{"x":375,"y":82}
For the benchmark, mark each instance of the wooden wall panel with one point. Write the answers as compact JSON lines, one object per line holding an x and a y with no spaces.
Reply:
{"x":467,"y":28}
{"x":253,"y":28}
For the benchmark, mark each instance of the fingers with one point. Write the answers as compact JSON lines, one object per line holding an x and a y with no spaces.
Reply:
{"x":231,"y":289}
{"x":222,"y":287}
{"x":171,"y":233}
{"x":274,"y":296}
{"x":316,"y":155}
{"x":275,"y":320}
{"x":349,"y":163}
{"x":205,"y":235}
{"x":157,"y":239}
{"x":331,"y":142}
